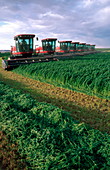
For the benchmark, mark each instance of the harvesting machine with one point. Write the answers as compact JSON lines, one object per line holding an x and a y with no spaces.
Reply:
{"x":74,"y":47}
{"x":48,"y":46}
{"x":64,"y":47}
{"x":23,"y":52}
{"x":92,"y":47}
{"x":82,"y":47}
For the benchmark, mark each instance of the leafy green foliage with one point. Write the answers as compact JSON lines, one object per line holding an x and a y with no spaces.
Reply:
{"x":47,"y":137}
{"x":89,"y":74}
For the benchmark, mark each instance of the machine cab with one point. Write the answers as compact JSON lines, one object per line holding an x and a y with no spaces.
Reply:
{"x":87,"y":47}
{"x":74,"y":46}
{"x":92,"y":47}
{"x":65,"y":46}
{"x":24,"y":42}
{"x":49,"y":45}
{"x":82,"y":46}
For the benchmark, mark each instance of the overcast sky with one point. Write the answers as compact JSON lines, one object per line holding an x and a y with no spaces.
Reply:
{"x":77,"y":20}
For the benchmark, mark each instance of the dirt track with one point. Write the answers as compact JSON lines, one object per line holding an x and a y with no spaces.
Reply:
{"x":78,"y":104}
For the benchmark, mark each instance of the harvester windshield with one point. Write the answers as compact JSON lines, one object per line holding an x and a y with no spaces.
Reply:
{"x":24,"y":43}
{"x":93,"y":47}
{"x":77,"y":45}
{"x":82,"y":46}
{"x":49,"y":45}
{"x":74,"y":46}
{"x":87,"y":47}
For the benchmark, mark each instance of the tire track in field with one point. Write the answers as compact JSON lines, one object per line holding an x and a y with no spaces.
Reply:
{"x":89,"y":109}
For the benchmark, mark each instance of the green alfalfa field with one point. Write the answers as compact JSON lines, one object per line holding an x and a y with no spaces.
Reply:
{"x":89,"y":74}
{"x":41,"y":136}
{"x":74,"y":146}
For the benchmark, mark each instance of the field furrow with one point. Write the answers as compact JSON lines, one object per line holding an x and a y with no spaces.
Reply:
{"x":89,"y":109}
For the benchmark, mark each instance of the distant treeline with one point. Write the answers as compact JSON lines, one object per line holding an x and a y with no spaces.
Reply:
{"x":4,"y":51}
{"x":4,"y":54}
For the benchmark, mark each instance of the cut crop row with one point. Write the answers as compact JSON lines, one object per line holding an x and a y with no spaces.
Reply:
{"x":89,"y":74}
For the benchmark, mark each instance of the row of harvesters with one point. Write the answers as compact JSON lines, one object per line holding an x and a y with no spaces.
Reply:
{"x":24,"y":53}
{"x":64,"y":47}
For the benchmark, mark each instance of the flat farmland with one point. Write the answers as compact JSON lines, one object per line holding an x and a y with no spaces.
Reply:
{"x":36,"y":135}
{"x":84,"y":107}
{"x":89,"y":74}
{"x":88,"y":105}
{"x":81,"y":81}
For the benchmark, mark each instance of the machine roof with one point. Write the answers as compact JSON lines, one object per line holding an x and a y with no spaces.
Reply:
{"x":64,"y":41}
{"x":82,"y":43}
{"x":75,"y":42}
{"x":25,"y":35}
{"x":47,"y":39}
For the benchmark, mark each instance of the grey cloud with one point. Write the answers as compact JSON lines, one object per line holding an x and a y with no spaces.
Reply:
{"x":70,"y":19}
